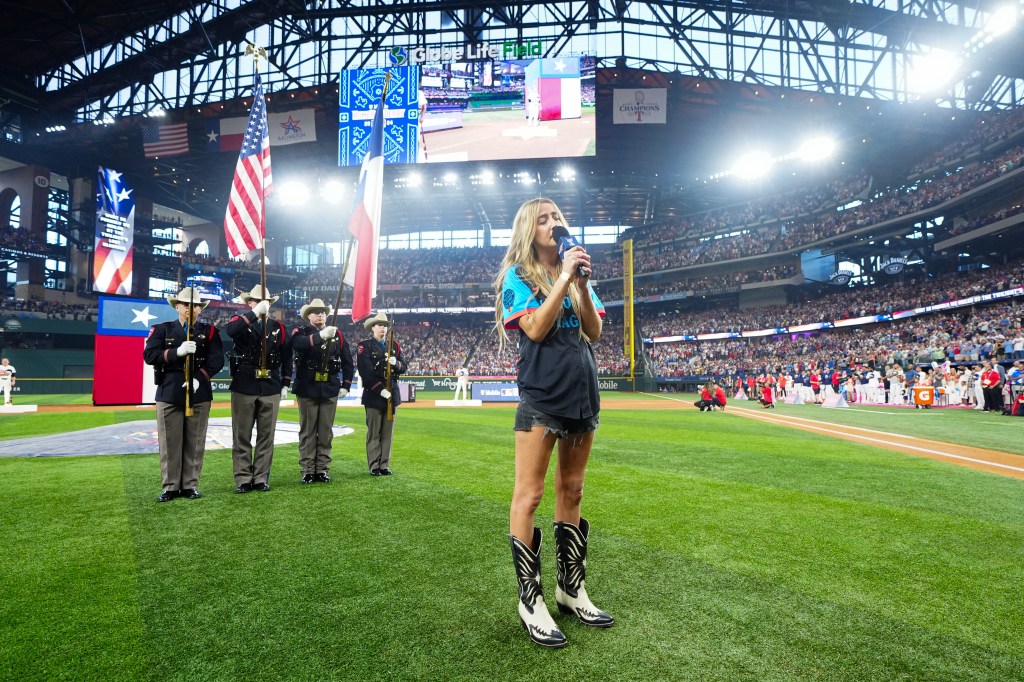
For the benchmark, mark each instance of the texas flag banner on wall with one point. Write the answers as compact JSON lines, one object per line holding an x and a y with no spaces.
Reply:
{"x":556,"y":82}
{"x":115,"y":234}
{"x":293,"y":127}
{"x":121,"y":376}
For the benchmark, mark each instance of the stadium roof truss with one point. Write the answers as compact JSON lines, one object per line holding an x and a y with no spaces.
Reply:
{"x":188,"y":54}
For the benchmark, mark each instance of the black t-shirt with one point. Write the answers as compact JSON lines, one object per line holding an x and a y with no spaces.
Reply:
{"x":557,"y":376}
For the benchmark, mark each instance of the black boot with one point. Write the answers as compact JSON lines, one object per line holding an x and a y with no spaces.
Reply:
{"x":533,"y":612}
{"x":571,"y":570}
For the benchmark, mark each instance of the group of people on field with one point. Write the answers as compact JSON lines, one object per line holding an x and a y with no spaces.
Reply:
{"x":313,"y":360}
{"x":542,"y":291}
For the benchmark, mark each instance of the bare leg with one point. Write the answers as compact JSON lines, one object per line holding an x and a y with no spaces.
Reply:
{"x":573,"y":455}
{"x":533,"y":452}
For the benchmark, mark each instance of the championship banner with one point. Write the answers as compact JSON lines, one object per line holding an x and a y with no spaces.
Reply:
{"x":115,"y":228}
{"x":359,"y":92}
{"x":627,"y":302}
{"x":121,"y":376}
{"x":641,"y":105}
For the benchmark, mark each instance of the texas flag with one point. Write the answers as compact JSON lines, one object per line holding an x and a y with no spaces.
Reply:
{"x":556,"y":82}
{"x":364,"y":223}
{"x":121,"y":376}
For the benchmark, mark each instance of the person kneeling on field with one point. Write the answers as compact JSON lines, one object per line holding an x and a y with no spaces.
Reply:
{"x":766,"y":398}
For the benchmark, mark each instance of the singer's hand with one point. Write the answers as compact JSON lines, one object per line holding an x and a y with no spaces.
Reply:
{"x":575,"y":262}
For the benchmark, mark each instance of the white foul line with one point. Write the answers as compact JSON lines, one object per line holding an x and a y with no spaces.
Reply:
{"x":815,"y":426}
{"x":888,"y":443}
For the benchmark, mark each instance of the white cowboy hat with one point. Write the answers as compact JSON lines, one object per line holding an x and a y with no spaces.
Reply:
{"x":315,"y":306}
{"x":258,"y":293}
{"x":186,"y":297}
{"x":379,"y":318}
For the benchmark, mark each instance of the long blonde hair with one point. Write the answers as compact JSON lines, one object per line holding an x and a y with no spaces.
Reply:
{"x":521,"y":253}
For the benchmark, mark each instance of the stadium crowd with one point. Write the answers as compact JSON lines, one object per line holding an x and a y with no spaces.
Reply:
{"x":848,"y":302}
{"x":993,"y":332}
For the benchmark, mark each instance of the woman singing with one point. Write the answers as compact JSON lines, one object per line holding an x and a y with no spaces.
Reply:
{"x":558,"y":315}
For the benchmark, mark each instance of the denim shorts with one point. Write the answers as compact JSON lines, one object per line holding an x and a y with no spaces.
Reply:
{"x":527,"y":417}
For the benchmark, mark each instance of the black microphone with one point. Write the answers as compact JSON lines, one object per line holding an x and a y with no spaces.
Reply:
{"x":565,"y":242}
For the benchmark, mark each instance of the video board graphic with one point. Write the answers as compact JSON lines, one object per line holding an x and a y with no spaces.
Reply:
{"x":359,"y":94}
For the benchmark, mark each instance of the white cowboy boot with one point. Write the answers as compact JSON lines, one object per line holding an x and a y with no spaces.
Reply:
{"x":571,"y":570}
{"x":533,"y":612}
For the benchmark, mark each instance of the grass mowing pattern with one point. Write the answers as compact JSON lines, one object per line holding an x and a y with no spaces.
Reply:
{"x":725,"y":548}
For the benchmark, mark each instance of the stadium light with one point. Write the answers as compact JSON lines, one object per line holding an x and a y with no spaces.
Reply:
{"x":293,"y":193}
{"x":1002,"y":21}
{"x":817,"y":149}
{"x":451,"y":178}
{"x":931,"y":70}
{"x":567,"y":173}
{"x":332,"y":191}
{"x":752,"y":166}
{"x":413,"y":179}
{"x":486,"y":177}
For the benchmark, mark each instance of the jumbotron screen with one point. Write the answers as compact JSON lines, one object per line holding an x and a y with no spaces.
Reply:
{"x":472,"y":111}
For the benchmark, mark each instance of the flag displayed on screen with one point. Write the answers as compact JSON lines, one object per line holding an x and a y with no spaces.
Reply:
{"x":556,"y":83}
{"x":245,"y":222}
{"x":170,"y":139}
{"x":115,"y":234}
{"x":364,"y":224}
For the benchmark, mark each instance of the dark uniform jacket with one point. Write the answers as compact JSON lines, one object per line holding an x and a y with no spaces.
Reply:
{"x":161,"y":352}
{"x":372,"y":365}
{"x":244,"y":330}
{"x":309,"y":350}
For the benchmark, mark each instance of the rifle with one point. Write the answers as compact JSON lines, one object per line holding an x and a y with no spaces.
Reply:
{"x":189,"y":411}
{"x":387,"y":371}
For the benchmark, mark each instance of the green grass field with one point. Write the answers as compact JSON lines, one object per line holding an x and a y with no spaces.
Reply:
{"x":727,"y":549}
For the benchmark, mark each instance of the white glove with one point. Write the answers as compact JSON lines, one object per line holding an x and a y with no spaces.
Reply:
{"x":186,"y":348}
{"x":261,"y":308}
{"x":284,"y":393}
{"x":328,"y":332}
{"x":342,"y":393}
{"x":195,"y":385}
{"x":393,"y":361}
{"x":386,"y":394}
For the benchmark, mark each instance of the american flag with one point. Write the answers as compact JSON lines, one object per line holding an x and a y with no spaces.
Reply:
{"x":245,"y":222}
{"x":169,"y":139}
{"x":364,"y":223}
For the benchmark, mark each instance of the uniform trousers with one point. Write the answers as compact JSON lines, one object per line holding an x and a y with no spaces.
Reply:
{"x":6,"y":387}
{"x":378,"y":439}
{"x":252,"y":465}
{"x":316,"y":421}
{"x":182,"y":444}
